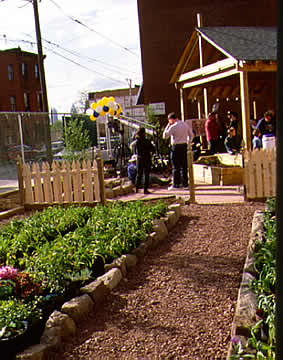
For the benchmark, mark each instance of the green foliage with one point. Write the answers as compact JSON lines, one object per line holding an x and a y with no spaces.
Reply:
{"x":262,"y":339}
{"x":58,"y":248}
{"x":13,"y":314}
{"x":153,"y":119}
{"x":76,"y":139}
{"x":61,"y":244}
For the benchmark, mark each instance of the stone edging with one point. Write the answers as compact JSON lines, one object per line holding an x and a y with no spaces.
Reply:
{"x":63,"y":324}
{"x":245,"y":312}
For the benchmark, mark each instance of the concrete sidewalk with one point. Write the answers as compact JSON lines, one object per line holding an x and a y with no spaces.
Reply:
{"x":8,"y":185}
{"x":204,"y":194}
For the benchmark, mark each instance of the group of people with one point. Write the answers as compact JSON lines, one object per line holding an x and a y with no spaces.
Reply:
{"x":221,"y":136}
{"x":139,"y":166}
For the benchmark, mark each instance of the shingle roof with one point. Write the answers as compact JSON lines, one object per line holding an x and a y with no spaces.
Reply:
{"x":244,"y":43}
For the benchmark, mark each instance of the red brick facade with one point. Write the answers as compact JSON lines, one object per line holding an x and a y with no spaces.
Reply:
{"x":19,"y":81}
{"x":166,"y":26}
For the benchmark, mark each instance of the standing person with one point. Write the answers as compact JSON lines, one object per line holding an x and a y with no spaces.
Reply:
{"x":267,"y":128}
{"x":212,"y":130}
{"x":256,"y":142}
{"x":144,"y":148}
{"x":178,"y":131}
{"x":267,"y":125}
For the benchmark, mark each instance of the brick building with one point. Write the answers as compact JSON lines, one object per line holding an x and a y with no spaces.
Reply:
{"x":166,"y":26}
{"x":19,"y":81}
{"x":20,"y":91}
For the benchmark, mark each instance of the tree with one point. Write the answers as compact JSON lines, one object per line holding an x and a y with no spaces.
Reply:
{"x":81,"y":106}
{"x":76,"y":139}
{"x":152,"y":118}
{"x":56,"y":130}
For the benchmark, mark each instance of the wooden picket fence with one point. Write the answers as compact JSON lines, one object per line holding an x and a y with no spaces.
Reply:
{"x":260,"y":173}
{"x":61,"y":183}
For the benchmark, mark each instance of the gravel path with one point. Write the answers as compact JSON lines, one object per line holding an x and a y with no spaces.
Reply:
{"x":179,"y":301}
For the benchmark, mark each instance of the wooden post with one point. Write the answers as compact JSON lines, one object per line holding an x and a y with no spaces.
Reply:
{"x":182,"y":107}
{"x":20,"y":179}
{"x":100,"y":169}
{"x":254,"y":109}
{"x":191,"y":173}
{"x":199,"y":24}
{"x":245,"y":105}
{"x":189,"y":155}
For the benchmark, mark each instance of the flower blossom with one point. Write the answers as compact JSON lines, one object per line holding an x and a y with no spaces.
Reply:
{"x":8,"y":272}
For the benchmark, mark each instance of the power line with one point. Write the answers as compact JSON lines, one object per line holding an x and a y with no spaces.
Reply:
{"x":91,"y":29}
{"x":73,"y":52}
{"x":64,"y":57}
{"x":85,"y":67}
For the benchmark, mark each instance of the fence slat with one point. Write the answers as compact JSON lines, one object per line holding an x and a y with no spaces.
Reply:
{"x":38,"y":193}
{"x":67,"y":182}
{"x":273,"y":172}
{"x":47,"y":186}
{"x":28,"y":197}
{"x":87,"y":182}
{"x":76,"y":174}
{"x":57,"y":188}
{"x":96,"y":181}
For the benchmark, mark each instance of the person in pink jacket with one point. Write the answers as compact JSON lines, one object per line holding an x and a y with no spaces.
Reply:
{"x":212,"y":131}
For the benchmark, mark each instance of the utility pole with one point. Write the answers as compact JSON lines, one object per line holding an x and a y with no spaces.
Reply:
{"x":42,"y":81}
{"x":131,"y":102}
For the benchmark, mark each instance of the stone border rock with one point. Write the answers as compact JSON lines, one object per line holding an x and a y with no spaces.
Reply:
{"x":245,"y":312}
{"x":63,"y":324}
{"x":117,"y":187}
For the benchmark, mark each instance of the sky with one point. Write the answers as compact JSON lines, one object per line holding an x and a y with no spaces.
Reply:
{"x":90,"y":45}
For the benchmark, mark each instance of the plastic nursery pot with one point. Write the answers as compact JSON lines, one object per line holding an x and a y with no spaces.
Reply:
{"x":15,"y":343}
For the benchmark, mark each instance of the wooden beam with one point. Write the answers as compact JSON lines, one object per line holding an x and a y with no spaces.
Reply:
{"x":257,"y":67}
{"x":211,"y":78}
{"x":182,"y":107}
{"x":189,"y":49}
{"x":208,"y":69}
{"x":245,"y":105}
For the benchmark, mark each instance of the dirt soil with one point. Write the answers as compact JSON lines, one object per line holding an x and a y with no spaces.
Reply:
{"x":179,"y":301}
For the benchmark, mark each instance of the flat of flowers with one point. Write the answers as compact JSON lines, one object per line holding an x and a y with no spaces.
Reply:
{"x":179,"y":300}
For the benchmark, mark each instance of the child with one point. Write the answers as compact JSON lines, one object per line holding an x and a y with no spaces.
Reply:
{"x":232,"y":141}
{"x":256,"y":142}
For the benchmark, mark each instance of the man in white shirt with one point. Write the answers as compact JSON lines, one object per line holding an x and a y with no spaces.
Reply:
{"x":179,"y":132}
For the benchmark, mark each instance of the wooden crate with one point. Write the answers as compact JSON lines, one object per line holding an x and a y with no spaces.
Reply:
{"x":216,"y":175}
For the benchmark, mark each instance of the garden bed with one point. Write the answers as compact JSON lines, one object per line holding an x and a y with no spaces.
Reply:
{"x":253,"y":330}
{"x":62,"y":250}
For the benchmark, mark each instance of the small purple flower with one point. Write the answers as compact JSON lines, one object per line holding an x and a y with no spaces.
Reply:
{"x":8,"y":272}
{"x":236,"y":340}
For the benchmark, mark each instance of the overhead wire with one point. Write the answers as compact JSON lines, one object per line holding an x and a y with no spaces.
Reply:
{"x":66,"y":58}
{"x":73,"y":52}
{"x":91,"y":29}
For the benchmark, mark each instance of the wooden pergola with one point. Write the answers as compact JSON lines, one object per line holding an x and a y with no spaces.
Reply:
{"x":227,"y":61}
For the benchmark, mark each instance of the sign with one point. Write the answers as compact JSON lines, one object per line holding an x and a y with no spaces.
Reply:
{"x":158,"y":108}
{"x":198,"y":126}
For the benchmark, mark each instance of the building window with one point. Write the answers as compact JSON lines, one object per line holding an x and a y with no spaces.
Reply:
{"x":24,"y":70}
{"x":36,"y":71}
{"x":10,"y":72}
{"x":39,"y":101}
{"x":13,"y":103}
{"x":27,"y":101}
